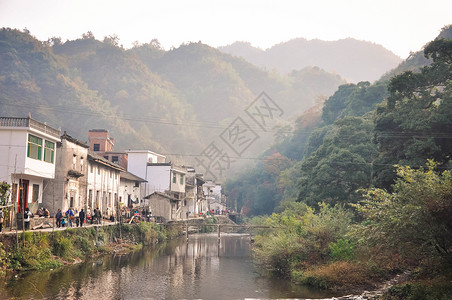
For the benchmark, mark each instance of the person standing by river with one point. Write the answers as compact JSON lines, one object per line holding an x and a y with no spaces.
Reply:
{"x":81,"y":216}
{"x":1,"y":219}
{"x":59,"y":216}
{"x":27,"y":215}
{"x":70,"y":216}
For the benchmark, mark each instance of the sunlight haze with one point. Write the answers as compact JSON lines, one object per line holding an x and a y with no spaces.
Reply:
{"x":393,"y":24}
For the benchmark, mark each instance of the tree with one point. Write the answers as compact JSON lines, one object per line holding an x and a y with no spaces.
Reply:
{"x":415,"y":220}
{"x":88,"y":35}
{"x":4,"y":192}
{"x":414,"y":124}
{"x":340,"y":166}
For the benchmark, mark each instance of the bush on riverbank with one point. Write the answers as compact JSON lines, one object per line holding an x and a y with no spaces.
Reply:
{"x":408,"y":229}
{"x":47,"y":250}
{"x":300,"y":238}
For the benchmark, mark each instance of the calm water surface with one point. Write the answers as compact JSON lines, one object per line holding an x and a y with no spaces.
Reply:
{"x":176,"y":270}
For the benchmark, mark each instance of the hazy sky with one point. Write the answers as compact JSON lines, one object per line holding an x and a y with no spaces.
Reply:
{"x":399,"y":25}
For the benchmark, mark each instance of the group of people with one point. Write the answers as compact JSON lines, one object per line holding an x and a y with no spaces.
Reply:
{"x":69,"y":217}
{"x":43,"y":212}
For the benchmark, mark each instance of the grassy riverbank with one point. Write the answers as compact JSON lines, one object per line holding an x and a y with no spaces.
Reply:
{"x":37,"y":250}
{"x":363,"y":246}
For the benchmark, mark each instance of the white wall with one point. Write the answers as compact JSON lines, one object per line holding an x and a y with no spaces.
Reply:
{"x":14,"y":160}
{"x":177,"y":186}
{"x":158,"y":179}
{"x":108,"y":186}
{"x":126,"y":188}
{"x":137,"y":164}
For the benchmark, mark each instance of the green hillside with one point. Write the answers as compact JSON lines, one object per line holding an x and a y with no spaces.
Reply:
{"x":356,"y":137}
{"x":172,"y":101}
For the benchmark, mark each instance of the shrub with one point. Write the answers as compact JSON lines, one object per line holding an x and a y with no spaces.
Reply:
{"x":62,"y":246}
{"x":343,"y":249}
{"x":337,"y":276}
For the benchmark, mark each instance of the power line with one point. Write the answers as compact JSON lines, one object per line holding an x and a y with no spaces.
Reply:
{"x":136,"y":118}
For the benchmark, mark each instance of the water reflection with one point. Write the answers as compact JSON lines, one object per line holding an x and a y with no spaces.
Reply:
{"x":176,"y":270}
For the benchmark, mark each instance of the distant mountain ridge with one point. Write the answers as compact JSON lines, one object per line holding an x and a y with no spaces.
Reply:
{"x":352,"y":59}
{"x":174,"y":102}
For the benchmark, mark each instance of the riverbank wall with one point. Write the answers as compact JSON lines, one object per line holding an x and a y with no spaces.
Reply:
{"x":39,"y":250}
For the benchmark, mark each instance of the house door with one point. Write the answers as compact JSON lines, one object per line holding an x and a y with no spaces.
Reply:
{"x":129,"y":201}
{"x":23,"y":195}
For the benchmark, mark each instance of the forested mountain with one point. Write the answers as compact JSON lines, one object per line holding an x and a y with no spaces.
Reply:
{"x":352,"y":59}
{"x":171,"y":101}
{"x":355,"y":140}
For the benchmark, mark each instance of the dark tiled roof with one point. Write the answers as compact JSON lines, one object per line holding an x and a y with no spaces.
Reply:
{"x":99,"y":159}
{"x":131,"y":177}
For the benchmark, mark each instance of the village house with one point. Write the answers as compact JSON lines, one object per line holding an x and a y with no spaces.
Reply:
{"x":129,"y":190}
{"x":215,"y":200}
{"x":168,"y":179}
{"x":27,"y":158}
{"x":102,"y":144}
{"x":138,"y":161}
{"x":194,"y":202}
{"x":103,"y":185}
{"x":69,"y":188}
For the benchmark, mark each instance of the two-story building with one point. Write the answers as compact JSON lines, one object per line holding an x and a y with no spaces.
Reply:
{"x":129,"y":190}
{"x":212,"y":193}
{"x":69,"y":188}
{"x":167,"y":182}
{"x":194,"y":202}
{"x":27,"y":158}
{"x":103,"y":185}
{"x":138,"y":163}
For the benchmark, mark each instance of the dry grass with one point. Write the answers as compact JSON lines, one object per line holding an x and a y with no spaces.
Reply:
{"x":342,"y":275}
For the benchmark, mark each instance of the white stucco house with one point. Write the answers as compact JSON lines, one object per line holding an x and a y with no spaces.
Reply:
{"x":130,"y":189}
{"x":137,"y":164}
{"x":212,"y":193}
{"x":103,"y":184}
{"x":27,"y":157}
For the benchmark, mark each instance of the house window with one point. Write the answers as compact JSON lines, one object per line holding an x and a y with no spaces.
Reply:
{"x":115,"y":159}
{"x":181,"y":178}
{"x":174,"y":178}
{"x":49,"y":151}
{"x":106,"y":157}
{"x":74,"y":161}
{"x":96,"y":147}
{"x":34,"y":147}
{"x":137,"y":184}
{"x":35,"y":195}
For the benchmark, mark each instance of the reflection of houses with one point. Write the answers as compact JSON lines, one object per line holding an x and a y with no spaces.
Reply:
{"x":69,"y":187}
{"x":130,"y":189}
{"x":27,"y":157}
{"x":103,"y":184}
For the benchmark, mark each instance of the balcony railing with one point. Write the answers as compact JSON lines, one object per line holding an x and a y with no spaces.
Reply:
{"x":29,"y":123}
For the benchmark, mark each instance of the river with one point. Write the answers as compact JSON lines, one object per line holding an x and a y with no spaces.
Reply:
{"x":196,"y":269}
